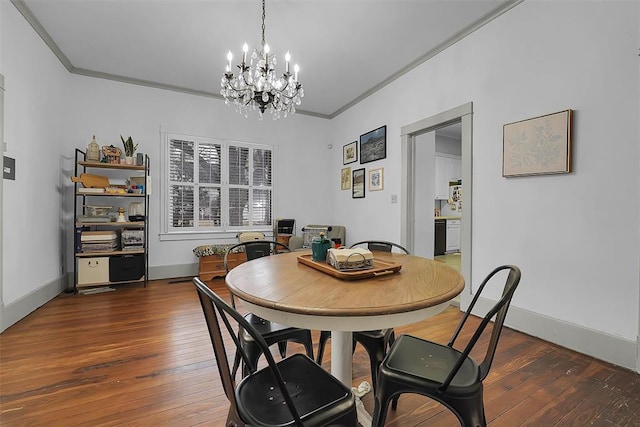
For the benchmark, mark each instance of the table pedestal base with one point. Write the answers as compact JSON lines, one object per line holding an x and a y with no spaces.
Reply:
{"x":341,"y":368}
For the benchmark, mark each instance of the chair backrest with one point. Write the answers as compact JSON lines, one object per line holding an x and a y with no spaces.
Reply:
{"x":380,"y":245}
{"x":216,"y":309}
{"x":255,"y":249}
{"x":499,"y":311}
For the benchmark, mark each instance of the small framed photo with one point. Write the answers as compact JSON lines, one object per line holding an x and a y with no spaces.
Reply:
{"x":358,"y":184}
{"x":373,"y":145}
{"x":345,"y":179}
{"x":537,"y":146}
{"x":350,"y":153}
{"x":376,"y":179}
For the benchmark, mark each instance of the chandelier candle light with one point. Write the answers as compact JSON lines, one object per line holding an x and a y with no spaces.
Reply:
{"x":257,"y":86}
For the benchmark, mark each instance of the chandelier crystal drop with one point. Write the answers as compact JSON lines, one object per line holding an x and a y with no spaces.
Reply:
{"x":257,"y":86}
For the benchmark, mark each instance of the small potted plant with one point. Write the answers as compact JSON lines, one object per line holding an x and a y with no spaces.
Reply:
{"x":129,"y":149}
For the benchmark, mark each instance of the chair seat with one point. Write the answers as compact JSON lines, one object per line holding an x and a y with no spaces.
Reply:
{"x":319,"y":398}
{"x":427,"y":364}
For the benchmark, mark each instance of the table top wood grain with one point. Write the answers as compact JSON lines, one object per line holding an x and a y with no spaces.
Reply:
{"x":281,"y":283}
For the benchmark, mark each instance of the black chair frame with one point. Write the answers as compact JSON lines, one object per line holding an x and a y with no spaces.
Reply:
{"x":464,"y":396}
{"x":375,"y":342}
{"x":273,"y":333}
{"x":264,"y":397}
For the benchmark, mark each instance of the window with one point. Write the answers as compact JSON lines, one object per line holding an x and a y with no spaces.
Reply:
{"x":217,"y":185}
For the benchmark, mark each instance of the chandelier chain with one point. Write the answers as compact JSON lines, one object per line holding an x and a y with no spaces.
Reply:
{"x":264,"y":15}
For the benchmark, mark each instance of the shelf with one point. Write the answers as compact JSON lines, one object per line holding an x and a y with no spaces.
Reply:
{"x":108,"y":253}
{"x":111,"y":263}
{"x":111,"y":224}
{"x":111,"y":194}
{"x":90,"y":285}
{"x":111,"y":166}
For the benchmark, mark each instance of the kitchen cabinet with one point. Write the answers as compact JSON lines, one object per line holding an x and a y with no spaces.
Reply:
{"x":448,"y":168}
{"x":453,"y":235}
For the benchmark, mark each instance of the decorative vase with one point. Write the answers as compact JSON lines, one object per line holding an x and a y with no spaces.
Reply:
{"x":93,"y":151}
{"x":128,"y":160}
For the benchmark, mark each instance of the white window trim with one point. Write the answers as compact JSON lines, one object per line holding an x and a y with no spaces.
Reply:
{"x":225,"y":232}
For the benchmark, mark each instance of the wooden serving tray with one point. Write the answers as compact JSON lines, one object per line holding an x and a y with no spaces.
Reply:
{"x":380,"y":267}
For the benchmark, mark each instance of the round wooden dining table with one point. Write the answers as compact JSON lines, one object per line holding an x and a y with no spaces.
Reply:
{"x":284,"y":290}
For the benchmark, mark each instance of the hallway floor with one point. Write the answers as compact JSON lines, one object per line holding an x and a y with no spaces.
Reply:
{"x":452,"y":260}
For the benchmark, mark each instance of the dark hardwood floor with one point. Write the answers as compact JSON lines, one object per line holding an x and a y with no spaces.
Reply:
{"x":142,"y":357}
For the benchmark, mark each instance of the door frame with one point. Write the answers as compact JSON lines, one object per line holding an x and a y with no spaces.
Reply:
{"x":463,"y":114}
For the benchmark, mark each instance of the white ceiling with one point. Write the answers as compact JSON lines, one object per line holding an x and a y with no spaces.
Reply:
{"x":346,"y":49}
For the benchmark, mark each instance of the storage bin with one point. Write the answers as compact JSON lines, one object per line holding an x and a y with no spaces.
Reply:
{"x":126,"y":268}
{"x":93,"y":270}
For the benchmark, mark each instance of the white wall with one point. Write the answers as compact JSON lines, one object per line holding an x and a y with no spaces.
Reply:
{"x":108,"y":109}
{"x":538,"y":58}
{"x":35,"y":102}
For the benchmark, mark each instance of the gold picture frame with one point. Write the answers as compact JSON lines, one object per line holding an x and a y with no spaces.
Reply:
{"x":376,"y":179}
{"x":537,"y":146}
{"x":345,"y":179}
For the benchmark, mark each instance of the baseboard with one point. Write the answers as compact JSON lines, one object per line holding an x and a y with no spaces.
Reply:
{"x":170,"y":271}
{"x":597,"y":344}
{"x":22,"y":307}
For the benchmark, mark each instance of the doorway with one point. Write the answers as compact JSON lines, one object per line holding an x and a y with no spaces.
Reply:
{"x":417,"y":219}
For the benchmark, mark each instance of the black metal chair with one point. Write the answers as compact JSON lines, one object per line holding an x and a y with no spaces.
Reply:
{"x":375,"y":342}
{"x":441,"y":372}
{"x":293,"y":392}
{"x":273,"y":333}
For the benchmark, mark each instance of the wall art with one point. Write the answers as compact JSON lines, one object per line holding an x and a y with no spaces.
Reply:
{"x":537,"y":146}
{"x":376,"y":179}
{"x":358,"y":184}
{"x":373,"y":145}
{"x":345,"y":179}
{"x":350,"y":153}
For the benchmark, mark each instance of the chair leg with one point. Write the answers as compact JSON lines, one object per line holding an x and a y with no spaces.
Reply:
{"x":236,"y":364}
{"x":308,"y":345}
{"x":322,"y":342}
{"x":381,"y":406}
{"x":282,"y":347}
{"x":394,"y":402}
{"x":470,"y":411}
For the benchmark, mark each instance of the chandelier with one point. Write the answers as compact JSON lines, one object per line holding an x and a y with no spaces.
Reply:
{"x":257,"y":86}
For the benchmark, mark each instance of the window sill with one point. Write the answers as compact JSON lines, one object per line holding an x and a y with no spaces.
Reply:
{"x":210,"y":235}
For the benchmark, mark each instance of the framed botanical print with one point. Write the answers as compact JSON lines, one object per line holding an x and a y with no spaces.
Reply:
{"x":345,"y":179}
{"x":537,"y":146}
{"x":376,"y":179}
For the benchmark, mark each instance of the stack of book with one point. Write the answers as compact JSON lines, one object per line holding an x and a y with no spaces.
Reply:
{"x":132,"y":240}
{"x":99,"y":241}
